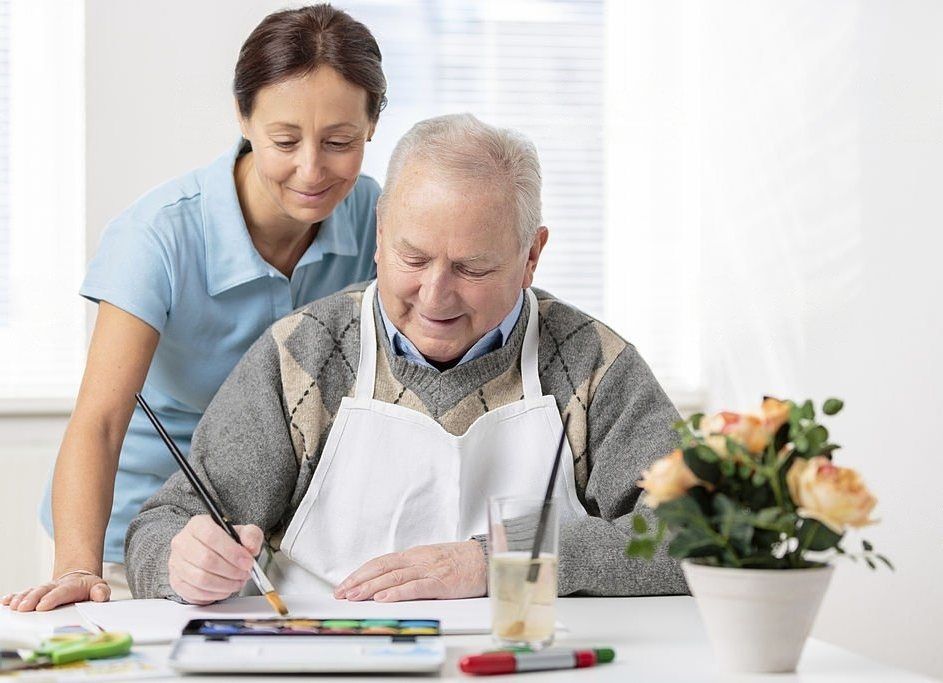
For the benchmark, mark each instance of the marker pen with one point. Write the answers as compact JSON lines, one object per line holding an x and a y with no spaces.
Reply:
{"x":555,"y":658}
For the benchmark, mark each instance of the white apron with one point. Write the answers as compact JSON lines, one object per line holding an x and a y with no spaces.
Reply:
{"x":391,"y":478}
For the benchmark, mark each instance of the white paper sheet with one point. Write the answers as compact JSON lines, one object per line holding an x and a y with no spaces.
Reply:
{"x":161,"y":621}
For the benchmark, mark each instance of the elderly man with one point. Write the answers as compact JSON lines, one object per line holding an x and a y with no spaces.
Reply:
{"x":361,"y":435}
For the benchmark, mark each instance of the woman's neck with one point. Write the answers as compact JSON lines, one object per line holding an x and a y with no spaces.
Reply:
{"x":279,"y":240}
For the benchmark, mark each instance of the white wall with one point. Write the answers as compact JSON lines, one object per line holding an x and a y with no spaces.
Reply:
{"x":799,"y":147}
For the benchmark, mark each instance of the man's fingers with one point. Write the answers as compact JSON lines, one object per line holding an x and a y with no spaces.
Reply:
{"x":396,"y":577}
{"x":198,"y":577}
{"x":370,"y":570}
{"x":192,"y":594}
{"x":227,"y":559}
{"x":420,"y":589}
{"x":214,"y":537}
{"x":251,"y":537}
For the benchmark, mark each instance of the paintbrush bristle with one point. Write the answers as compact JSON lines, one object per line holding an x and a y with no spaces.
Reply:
{"x":275,"y":601}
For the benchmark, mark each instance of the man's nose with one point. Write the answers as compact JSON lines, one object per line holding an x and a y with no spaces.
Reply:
{"x":438,"y":285}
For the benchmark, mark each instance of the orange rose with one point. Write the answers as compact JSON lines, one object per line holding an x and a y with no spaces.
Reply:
{"x":667,"y":479}
{"x":834,"y":496}
{"x":748,"y":430}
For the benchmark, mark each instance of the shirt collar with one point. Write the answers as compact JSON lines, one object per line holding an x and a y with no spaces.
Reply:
{"x":231,"y":258}
{"x":492,"y":340}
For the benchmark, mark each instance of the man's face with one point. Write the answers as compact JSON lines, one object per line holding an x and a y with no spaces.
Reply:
{"x":449,"y":263}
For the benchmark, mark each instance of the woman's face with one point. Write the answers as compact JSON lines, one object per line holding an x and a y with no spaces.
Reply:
{"x":308,"y":135}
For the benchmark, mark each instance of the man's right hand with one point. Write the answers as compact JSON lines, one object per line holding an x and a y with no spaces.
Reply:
{"x":206,"y":565}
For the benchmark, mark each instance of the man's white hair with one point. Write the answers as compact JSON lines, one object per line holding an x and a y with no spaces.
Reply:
{"x":460,"y":147}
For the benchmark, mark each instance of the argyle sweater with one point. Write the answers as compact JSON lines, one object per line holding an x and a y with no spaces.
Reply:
{"x":261,"y":437}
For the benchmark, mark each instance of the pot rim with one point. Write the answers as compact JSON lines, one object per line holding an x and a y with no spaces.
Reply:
{"x":821,"y":568}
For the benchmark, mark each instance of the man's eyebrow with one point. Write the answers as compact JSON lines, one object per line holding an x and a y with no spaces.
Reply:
{"x":404,"y":245}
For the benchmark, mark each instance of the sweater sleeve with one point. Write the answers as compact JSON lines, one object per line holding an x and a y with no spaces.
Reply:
{"x":241,"y":450}
{"x":629,"y":425}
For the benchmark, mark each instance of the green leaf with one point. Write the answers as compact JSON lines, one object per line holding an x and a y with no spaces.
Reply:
{"x":814,"y":535}
{"x":728,"y":468}
{"x":706,"y":453}
{"x":639,"y":524}
{"x":832,"y":406}
{"x":696,"y":420}
{"x":885,"y":561}
{"x":744,"y":471}
{"x":767,"y":516}
{"x":705,"y":471}
{"x":808,"y":410}
{"x":680,"y":512}
{"x":866,"y":545}
{"x":691,"y":543}
{"x":818,"y":437}
{"x":758,"y":479}
{"x":641,"y":547}
{"x":802,"y":442}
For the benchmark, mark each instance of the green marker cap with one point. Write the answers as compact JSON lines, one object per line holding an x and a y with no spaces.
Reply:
{"x":604,"y":655}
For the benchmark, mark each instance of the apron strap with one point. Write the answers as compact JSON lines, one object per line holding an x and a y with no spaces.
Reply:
{"x":529,"y":374}
{"x":367,"y":366}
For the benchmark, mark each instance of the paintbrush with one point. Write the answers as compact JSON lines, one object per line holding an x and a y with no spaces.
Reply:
{"x":530,"y":583}
{"x":258,"y":576}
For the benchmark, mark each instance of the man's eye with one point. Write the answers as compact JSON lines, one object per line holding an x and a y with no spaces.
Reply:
{"x":473,"y":273}
{"x":414,"y":263}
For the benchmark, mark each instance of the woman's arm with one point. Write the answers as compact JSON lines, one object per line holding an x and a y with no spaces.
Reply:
{"x":119,"y":356}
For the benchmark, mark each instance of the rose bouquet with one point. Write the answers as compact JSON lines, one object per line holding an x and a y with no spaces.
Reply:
{"x":755,"y":491}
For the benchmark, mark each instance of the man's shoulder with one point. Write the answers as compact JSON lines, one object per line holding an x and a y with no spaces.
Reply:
{"x":569,"y":331}
{"x":332,"y":312}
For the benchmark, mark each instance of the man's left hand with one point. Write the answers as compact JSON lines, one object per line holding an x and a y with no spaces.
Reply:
{"x":425,"y":572}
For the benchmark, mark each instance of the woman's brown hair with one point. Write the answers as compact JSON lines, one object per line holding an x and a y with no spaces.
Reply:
{"x":295,"y":42}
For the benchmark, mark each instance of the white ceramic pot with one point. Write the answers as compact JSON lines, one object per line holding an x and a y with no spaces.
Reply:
{"x":757,"y":619}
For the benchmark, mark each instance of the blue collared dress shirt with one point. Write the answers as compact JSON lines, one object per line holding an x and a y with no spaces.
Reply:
{"x":181,"y":259}
{"x":492,"y":340}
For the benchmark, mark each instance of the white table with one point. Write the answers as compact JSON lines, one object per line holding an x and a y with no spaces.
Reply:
{"x":656,"y":639}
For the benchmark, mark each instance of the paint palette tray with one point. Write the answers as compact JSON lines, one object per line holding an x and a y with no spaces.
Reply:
{"x":303,"y":645}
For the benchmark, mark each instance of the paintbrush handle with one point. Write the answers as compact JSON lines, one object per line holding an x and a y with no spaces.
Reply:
{"x":534,"y":569}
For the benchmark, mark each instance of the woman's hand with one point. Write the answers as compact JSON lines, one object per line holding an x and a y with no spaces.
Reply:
{"x":70,"y":588}
{"x":206,"y":565}
{"x":440,"y":571}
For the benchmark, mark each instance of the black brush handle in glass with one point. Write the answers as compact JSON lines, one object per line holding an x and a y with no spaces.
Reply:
{"x":534,"y":569}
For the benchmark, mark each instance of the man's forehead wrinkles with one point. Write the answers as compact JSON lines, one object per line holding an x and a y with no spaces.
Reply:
{"x":403,"y":244}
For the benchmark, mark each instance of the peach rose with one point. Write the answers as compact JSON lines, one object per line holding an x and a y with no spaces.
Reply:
{"x":834,"y":496}
{"x":775,"y":414}
{"x":748,"y":430}
{"x":667,"y":479}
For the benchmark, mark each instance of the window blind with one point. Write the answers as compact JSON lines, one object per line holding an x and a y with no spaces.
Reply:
{"x":532,"y":65}
{"x":42,"y":331}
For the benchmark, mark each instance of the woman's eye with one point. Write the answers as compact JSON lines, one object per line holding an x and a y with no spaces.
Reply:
{"x":285,"y":144}
{"x":338,"y":144}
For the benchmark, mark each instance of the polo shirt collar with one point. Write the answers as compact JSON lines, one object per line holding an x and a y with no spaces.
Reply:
{"x":231,"y":257}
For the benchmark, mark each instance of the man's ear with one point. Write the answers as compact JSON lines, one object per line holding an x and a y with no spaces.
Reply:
{"x":376,"y":253}
{"x":533,"y":255}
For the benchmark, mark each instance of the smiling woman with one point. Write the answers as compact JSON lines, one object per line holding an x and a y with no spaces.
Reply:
{"x":192,"y":273}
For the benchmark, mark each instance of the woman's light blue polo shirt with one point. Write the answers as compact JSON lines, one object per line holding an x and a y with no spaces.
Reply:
{"x":181,"y":259}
